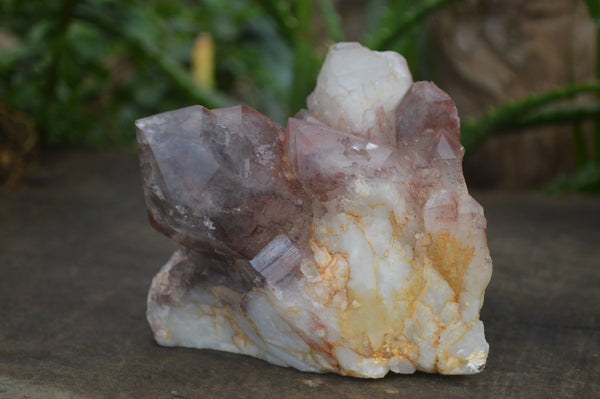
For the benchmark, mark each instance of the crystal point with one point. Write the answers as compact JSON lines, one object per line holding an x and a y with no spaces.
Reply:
{"x":346,"y":242}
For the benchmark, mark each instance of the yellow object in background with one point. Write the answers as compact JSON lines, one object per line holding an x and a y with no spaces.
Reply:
{"x":203,"y":61}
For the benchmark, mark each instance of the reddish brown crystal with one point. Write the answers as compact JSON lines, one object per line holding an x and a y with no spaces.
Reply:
{"x":215,"y":181}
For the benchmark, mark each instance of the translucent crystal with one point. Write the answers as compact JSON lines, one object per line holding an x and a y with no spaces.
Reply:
{"x":358,"y":89}
{"x":345,"y":243}
{"x":216,"y":182}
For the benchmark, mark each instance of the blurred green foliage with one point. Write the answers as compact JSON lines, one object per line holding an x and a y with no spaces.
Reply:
{"x":84,"y":70}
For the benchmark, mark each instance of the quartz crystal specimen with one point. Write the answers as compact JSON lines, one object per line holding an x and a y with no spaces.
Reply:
{"x":346,"y":242}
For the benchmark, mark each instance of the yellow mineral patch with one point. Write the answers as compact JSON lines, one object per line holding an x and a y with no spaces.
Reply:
{"x":476,"y":360}
{"x":239,"y":339}
{"x":452,"y":363}
{"x":398,"y":223}
{"x":415,"y":285}
{"x":334,"y":272}
{"x":369,"y":324}
{"x":398,"y":348}
{"x":321,"y":254}
{"x":449,"y":258}
{"x":164,"y":333}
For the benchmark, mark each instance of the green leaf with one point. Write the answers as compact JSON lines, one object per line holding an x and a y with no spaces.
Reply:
{"x":332,"y":20}
{"x":507,"y":116}
{"x":585,"y":180}
{"x":374,"y":16}
{"x":396,"y":25}
{"x":151,"y":52}
{"x":282,"y":14}
{"x":557,"y":116}
{"x":305,"y":67}
{"x":594,"y":8}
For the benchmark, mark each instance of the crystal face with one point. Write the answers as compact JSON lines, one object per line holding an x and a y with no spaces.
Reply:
{"x":346,"y":242}
{"x":216,"y":181}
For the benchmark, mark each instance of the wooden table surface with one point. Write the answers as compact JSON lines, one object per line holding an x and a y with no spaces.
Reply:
{"x":77,"y":255}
